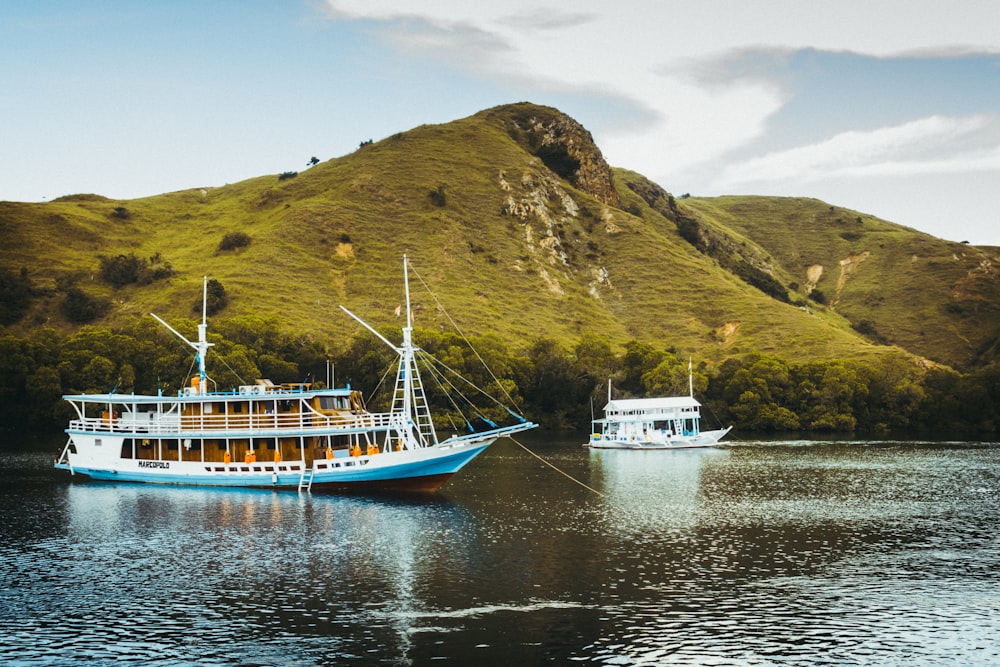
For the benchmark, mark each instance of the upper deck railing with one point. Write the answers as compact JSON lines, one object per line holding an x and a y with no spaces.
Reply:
{"x":229,"y":425}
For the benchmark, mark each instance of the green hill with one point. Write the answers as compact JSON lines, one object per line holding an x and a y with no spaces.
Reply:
{"x":515,"y":221}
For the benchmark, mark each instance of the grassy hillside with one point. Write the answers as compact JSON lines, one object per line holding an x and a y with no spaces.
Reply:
{"x":935,"y":298}
{"x":510,"y":245}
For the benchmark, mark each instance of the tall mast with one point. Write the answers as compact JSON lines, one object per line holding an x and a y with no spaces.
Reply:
{"x":409,"y":400}
{"x":407,"y":349}
{"x":201,"y":347}
{"x":203,"y":339}
{"x":690,"y":378}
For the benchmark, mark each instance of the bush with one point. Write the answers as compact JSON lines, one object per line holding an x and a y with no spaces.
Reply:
{"x":215,"y":300}
{"x":233,"y":240}
{"x":122,"y":270}
{"x":437,"y":196}
{"x":15,"y":295}
{"x":763,"y":281}
{"x":80,"y":308}
{"x":285,"y":175}
{"x":689,"y":230}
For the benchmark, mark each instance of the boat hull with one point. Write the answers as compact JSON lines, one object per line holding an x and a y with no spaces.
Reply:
{"x":705,"y":439}
{"x":421,"y":470}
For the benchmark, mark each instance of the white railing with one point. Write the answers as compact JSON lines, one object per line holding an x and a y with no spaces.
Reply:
{"x":222,"y":425}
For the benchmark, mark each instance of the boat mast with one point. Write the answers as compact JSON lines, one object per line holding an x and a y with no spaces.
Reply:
{"x":690,"y":378}
{"x":407,"y":350}
{"x":409,"y":388}
{"x":201,"y":347}
{"x":409,"y":399}
{"x":203,"y":339}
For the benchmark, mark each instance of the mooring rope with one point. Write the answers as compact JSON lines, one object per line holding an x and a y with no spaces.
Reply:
{"x":558,"y":470}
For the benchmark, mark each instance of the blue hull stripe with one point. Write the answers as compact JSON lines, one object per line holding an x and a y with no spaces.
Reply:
{"x":441,"y":465}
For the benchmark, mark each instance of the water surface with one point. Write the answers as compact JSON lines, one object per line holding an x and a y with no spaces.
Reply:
{"x":759,"y":553}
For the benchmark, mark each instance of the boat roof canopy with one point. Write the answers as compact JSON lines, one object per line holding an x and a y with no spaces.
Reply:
{"x":276,"y":393}
{"x":643,"y":404}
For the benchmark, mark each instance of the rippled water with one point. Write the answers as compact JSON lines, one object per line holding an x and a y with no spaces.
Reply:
{"x":760,"y":553}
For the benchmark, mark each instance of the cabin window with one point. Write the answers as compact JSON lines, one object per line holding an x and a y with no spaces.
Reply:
{"x":208,"y":408}
{"x":237,"y":407}
{"x":326,"y":403}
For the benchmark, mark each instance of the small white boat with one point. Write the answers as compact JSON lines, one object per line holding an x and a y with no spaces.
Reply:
{"x":272,"y":436}
{"x":672,"y":422}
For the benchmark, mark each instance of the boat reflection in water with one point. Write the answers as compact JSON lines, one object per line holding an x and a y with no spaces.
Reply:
{"x":652,"y":490}
{"x":338,"y":572}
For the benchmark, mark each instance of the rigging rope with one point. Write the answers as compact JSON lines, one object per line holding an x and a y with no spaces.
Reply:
{"x":561,"y":472}
{"x":467,"y":341}
{"x":231,"y":369}
{"x":430,"y":361}
{"x":435,"y":376}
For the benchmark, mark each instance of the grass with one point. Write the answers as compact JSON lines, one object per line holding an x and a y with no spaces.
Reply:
{"x":522,"y":279}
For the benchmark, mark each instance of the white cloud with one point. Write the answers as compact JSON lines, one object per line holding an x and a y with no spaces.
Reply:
{"x":920,"y":146}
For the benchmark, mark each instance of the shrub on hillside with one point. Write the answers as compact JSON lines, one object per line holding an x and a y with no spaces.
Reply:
{"x":689,"y":230}
{"x":80,"y":308}
{"x":233,"y":240}
{"x":122,"y":270}
{"x":762,"y":280}
{"x":215,"y":298}
{"x":15,"y":295}
{"x":437,"y":196}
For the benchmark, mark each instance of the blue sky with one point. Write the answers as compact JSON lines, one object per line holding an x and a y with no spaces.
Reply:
{"x":888,"y":107}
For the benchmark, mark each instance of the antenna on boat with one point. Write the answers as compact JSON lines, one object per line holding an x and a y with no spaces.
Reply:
{"x":201,"y":347}
{"x":690,"y":378}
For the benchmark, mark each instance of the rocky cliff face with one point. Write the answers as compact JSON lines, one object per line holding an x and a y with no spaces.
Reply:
{"x":565,"y":146}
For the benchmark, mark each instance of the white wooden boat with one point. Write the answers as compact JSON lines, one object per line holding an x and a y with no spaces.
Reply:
{"x":672,"y":422}
{"x":271,"y":436}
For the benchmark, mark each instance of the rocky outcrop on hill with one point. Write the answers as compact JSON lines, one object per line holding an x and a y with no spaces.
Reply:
{"x":565,"y":146}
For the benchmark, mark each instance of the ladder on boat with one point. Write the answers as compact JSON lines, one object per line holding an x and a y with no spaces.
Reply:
{"x":306,"y":480}
{"x":419,"y":410}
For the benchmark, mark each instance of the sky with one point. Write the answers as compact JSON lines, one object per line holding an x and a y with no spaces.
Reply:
{"x":888,"y":107}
